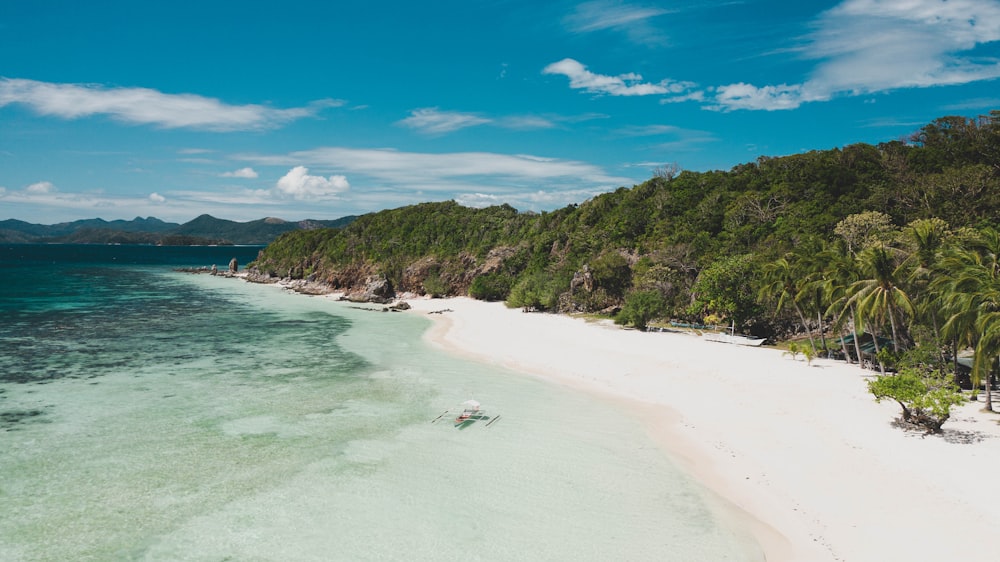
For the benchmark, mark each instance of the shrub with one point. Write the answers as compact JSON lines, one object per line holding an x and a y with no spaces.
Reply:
{"x":641,"y":307}
{"x":926,"y":396}
{"x":793,"y":350}
{"x":809,"y":354}
{"x":536,"y":291}
{"x":435,"y":286}
{"x":490,"y":287}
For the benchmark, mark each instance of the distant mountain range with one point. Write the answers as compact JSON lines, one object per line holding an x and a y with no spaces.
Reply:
{"x":205,"y":229}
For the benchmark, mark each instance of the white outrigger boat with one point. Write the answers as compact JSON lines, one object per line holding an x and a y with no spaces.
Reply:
{"x":732,"y":337}
{"x":723,"y":337}
{"x":470,"y":413}
{"x":470,"y":408}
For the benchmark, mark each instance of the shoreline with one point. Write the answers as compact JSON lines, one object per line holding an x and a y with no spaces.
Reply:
{"x":801,"y":456}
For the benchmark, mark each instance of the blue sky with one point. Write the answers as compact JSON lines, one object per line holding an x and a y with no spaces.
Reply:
{"x":301,"y":109}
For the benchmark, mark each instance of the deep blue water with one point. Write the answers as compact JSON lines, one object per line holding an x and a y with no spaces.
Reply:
{"x":81,"y":311}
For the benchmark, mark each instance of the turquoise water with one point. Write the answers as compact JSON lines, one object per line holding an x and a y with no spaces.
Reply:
{"x":153,"y":415}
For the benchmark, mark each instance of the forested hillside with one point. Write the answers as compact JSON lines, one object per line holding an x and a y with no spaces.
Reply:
{"x":753,"y":245}
{"x":203,"y":230}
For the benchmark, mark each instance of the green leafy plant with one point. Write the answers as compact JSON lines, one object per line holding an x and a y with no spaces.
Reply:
{"x":640,"y":307}
{"x":809,"y":354}
{"x":491,"y":287}
{"x":925,"y":396}
{"x":793,"y":349}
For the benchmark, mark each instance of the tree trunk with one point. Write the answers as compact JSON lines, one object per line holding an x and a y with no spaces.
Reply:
{"x":822,"y":333}
{"x":843,"y":347}
{"x":881,"y":367}
{"x":805,"y":325}
{"x":857,"y":344}
{"x":895,"y":336}
{"x":989,"y":389}
{"x":954,"y":357}
{"x":937,"y":334}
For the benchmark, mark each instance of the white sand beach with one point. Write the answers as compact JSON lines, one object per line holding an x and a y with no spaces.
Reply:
{"x":803,"y":455}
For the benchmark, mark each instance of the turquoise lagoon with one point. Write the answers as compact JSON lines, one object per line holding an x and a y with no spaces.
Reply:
{"x":147,"y":414}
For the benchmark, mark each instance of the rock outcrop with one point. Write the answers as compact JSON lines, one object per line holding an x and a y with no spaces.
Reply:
{"x":363,"y":282}
{"x":582,"y":279}
{"x":377,"y":289}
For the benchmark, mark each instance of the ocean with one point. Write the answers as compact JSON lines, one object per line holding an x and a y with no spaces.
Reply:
{"x":149,"y":414}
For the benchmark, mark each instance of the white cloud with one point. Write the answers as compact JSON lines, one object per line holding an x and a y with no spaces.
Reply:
{"x":697,"y":95}
{"x":868,"y":46}
{"x":144,"y":106}
{"x":432,"y":120}
{"x":649,"y":130}
{"x":611,"y":15}
{"x":384,"y":178}
{"x":528,"y":199}
{"x":439,"y":171}
{"x":49,"y":203}
{"x":526,"y":122}
{"x":380,"y":178}
{"x":622,"y":85}
{"x":300,"y":185}
{"x":177,"y":206}
{"x":247,"y":173}
{"x":675,"y":138}
{"x":977,"y":103}
{"x":747,"y":96}
{"x":40,"y":187}
{"x":859,"y":47}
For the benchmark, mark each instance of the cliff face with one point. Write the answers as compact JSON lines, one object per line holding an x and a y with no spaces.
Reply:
{"x":368,"y":282}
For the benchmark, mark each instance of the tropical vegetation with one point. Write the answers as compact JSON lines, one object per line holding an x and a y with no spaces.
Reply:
{"x":871,"y":253}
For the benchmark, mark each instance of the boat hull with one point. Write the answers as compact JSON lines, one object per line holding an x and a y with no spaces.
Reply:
{"x":736,"y":340}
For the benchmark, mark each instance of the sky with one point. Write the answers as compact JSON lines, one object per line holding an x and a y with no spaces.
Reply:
{"x":323,"y":109}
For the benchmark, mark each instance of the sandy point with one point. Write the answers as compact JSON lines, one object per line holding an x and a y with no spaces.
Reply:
{"x":801,"y":454}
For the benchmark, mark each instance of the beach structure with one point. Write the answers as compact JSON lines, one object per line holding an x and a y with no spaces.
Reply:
{"x":868,"y":345}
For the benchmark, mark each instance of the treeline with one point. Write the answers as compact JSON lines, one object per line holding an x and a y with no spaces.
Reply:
{"x":107,"y":236}
{"x":668,"y":232}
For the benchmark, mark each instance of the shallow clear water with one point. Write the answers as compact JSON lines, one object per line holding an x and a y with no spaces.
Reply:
{"x":152,"y":415}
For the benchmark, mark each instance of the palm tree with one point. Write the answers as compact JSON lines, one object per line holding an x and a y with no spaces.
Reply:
{"x":927,"y":239}
{"x":880,"y":296}
{"x":972,"y":299}
{"x":781,"y":280}
{"x":988,"y":349}
{"x":840,"y":272}
{"x":960,"y":312}
{"x":970,"y":295}
{"x":811,"y":295}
